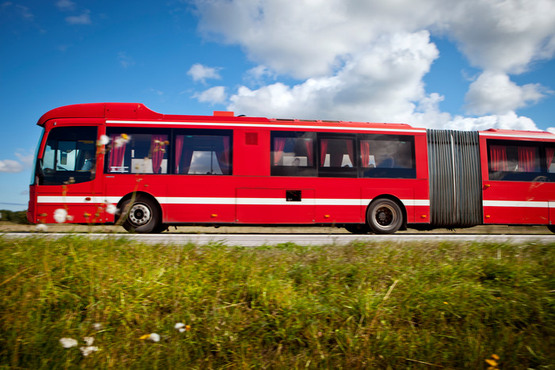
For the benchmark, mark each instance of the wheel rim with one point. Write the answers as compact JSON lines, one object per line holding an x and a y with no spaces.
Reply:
{"x":385,"y":217}
{"x":139,"y":214}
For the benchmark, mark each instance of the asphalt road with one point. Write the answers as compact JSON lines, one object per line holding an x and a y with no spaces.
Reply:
{"x":252,"y":240}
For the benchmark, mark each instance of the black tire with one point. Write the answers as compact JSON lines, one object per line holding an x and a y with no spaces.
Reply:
{"x":143,"y":216}
{"x":551,"y":228}
{"x":384,"y":216}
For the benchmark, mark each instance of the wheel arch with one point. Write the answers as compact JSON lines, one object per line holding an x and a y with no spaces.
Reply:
{"x":142,"y":194}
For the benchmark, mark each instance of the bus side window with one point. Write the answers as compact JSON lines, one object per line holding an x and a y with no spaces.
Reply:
{"x":387,"y":156}
{"x":134,"y":151}
{"x":292,"y":154}
{"x":337,"y":153}
{"x":514,"y":162}
{"x":203,"y":152}
{"x":550,"y":157}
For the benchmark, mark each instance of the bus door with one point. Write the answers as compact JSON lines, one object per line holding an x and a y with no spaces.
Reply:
{"x":67,"y":186}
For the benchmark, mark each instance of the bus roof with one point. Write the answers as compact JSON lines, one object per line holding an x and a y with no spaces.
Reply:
{"x":521,"y":134}
{"x":139,"y":112}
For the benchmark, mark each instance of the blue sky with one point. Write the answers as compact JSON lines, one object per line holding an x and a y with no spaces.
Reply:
{"x":471,"y":64}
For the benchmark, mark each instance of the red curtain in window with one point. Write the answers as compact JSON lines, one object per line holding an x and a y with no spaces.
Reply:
{"x":178,"y":150}
{"x":223,"y":156}
{"x":549,"y":154}
{"x":365,"y":153}
{"x":117,"y":153}
{"x":498,"y":157}
{"x":323,"y":151}
{"x":157,"y":149}
{"x":308,"y":143}
{"x":350,"y":151}
{"x":279,"y":145}
{"x":526,"y":159}
{"x":183,"y":154}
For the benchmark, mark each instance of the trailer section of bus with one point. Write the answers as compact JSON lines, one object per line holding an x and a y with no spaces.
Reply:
{"x":518,"y":177}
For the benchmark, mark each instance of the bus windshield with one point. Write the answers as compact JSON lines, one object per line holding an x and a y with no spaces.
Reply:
{"x":68,"y":157}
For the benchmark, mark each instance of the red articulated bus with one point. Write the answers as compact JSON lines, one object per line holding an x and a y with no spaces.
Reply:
{"x":121,"y":162}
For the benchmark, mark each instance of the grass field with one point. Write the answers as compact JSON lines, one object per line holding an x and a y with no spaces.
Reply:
{"x":416,"y":305}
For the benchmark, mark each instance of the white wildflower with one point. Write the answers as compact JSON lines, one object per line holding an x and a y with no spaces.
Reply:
{"x":103,"y":140}
{"x":182,"y":327}
{"x":68,"y":342}
{"x":88,"y":350}
{"x":153,"y":337}
{"x":121,"y":140}
{"x":88,"y":341}
{"x":41,"y":228}
{"x":111,"y":209}
{"x":97,"y":326}
{"x":60,"y":215}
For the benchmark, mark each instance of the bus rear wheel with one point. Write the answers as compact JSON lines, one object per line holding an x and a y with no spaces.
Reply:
{"x":551,"y":228}
{"x":143,"y":216}
{"x":384,"y":216}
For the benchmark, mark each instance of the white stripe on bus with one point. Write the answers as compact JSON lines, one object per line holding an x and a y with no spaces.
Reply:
{"x":227,"y":124}
{"x":225,"y":201}
{"x":520,"y":135}
{"x":517,"y":204}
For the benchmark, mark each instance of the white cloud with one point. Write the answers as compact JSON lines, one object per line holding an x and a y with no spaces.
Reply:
{"x":27,"y":159}
{"x":381,"y":83}
{"x":125,"y":60}
{"x":82,"y":19}
{"x":214,"y":95}
{"x":9,"y":165}
{"x":65,"y":5}
{"x":19,"y":10}
{"x":503,"y":35}
{"x":156,"y":91}
{"x":25,"y":12}
{"x":509,"y":121}
{"x":307,"y":38}
{"x":259,"y":74}
{"x":551,"y":129}
{"x":200,"y":73}
{"x":496,"y":93}
{"x":366,"y":60}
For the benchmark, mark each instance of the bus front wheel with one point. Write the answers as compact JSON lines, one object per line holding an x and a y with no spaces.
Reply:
{"x":551,"y":228}
{"x":384,"y":216}
{"x":142,"y":216}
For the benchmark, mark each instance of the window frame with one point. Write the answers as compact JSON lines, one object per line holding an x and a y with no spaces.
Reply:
{"x":116,"y":131}
{"x":202,"y":132}
{"x":346,"y":172}
{"x":385,"y":172}
{"x":357,"y":171}
{"x":294,"y":171}
{"x":542,"y":175}
{"x":55,"y":176}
